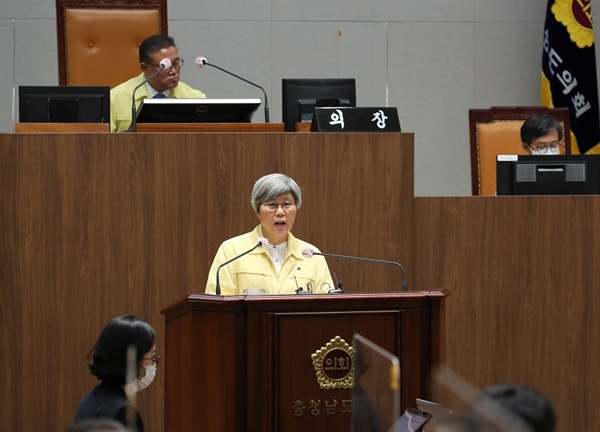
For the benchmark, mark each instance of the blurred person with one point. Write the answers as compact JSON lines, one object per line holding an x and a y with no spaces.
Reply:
{"x":100,"y":425}
{"x":114,"y":398}
{"x":526,"y":403}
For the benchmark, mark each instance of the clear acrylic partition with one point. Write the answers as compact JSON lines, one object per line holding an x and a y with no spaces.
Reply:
{"x":363,"y":54}
{"x":376,"y":390}
{"x":8,"y":90}
{"x":470,"y":410}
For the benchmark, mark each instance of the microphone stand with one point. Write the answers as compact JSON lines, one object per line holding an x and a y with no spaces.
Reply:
{"x":249,"y":82}
{"x":218,"y":286}
{"x":404,"y":281}
{"x":133,"y":124}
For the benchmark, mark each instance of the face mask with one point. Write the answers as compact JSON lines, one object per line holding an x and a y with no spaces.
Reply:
{"x":146,"y":380}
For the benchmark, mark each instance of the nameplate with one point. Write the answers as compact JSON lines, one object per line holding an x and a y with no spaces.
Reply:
{"x":355,"y":119}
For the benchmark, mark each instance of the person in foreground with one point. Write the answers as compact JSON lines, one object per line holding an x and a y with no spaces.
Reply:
{"x":280,"y":267}
{"x":526,"y":403}
{"x":114,"y":398}
{"x":501,"y":408}
{"x":98,"y":425}
{"x":541,"y":135}
{"x":166,"y":84}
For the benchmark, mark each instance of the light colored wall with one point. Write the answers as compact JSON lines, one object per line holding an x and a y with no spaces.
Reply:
{"x":432,"y":59}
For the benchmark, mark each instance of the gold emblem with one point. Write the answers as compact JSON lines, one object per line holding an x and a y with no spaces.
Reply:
{"x":333,"y":365}
{"x":576,"y":16}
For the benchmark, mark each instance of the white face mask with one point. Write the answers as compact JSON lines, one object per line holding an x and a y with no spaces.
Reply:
{"x":146,"y":380}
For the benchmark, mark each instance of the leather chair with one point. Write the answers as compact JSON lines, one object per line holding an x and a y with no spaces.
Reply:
{"x":98,"y":40}
{"x":496,"y":131}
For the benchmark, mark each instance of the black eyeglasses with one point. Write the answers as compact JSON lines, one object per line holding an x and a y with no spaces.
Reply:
{"x":154,"y":359}
{"x":272,"y":206}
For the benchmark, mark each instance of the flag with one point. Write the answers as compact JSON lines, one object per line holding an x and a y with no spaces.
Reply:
{"x":569,"y":70}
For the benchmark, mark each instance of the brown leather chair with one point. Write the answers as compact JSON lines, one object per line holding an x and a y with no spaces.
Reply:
{"x":496,"y":131}
{"x":98,"y":40}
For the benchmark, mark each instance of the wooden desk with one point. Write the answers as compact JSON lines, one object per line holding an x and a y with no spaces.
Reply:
{"x":210,"y":127}
{"x":61,"y":127}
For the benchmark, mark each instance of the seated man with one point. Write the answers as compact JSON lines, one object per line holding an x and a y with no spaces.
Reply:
{"x":541,"y":135}
{"x":166,"y":84}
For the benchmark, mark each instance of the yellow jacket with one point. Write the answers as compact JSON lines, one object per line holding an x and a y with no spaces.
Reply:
{"x":120,"y":100}
{"x":256,"y":269}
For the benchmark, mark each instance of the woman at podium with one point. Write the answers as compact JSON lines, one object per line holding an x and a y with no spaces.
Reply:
{"x":270,"y":258}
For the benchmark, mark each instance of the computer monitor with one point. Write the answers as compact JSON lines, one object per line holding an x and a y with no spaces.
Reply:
{"x":197,"y":110}
{"x":547,"y":174}
{"x":64,"y":104}
{"x":301,"y":96}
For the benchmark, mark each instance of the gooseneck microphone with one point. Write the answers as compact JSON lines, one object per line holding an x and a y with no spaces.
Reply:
{"x":262,"y":242}
{"x":309,"y":253}
{"x":201,"y":62}
{"x":163,"y":64}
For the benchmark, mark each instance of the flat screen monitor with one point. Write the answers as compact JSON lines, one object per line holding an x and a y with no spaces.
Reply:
{"x":302,"y":95}
{"x":197,"y":110}
{"x":64,"y":104}
{"x":548,"y":175}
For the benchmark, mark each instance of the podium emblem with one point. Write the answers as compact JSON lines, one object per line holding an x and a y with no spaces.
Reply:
{"x":333,"y":365}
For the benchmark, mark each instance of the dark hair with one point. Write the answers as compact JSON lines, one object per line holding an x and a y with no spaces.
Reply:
{"x":108,"y":359}
{"x":539,"y":125}
{"x":526,"y":403}
{"x":152,"y":44}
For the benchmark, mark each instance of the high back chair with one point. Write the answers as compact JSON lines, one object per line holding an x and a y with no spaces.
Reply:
{"x":98,"y":40}
{"x":497,"y":131}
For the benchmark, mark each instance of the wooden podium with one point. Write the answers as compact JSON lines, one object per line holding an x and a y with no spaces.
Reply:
{"x":243,"y":363}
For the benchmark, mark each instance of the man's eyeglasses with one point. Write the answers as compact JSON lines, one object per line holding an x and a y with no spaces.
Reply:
{"x":543,"y":148}
{"x":272,"y":206}
{"x":177,"y":64}
{"x":154,"y":359}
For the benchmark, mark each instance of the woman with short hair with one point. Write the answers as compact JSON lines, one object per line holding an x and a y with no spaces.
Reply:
{"x":280,"y":267}
{"x":124,"y":340}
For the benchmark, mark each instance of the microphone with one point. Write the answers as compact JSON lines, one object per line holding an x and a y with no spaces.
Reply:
{"x":164,"y":64}
{"x":309,"y":253}
{"x":262,"y":242}
{"x":339,"y":286}
{"x":201,"y":62}
{"x":300,"y":290}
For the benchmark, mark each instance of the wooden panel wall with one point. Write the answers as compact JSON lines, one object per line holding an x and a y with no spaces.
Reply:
{"x":97,"y":225}
{"x":524,"y":277}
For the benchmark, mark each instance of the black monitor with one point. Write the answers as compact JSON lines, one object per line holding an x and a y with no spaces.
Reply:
{"x":64,"y":104}
{"x":168,"y":110}
{"x":548,"y":175}
{"x":302,"y":95}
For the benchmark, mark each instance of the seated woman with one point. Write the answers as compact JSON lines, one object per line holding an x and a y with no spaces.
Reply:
{"x":112,"y":398}
{"x":280,"y":268}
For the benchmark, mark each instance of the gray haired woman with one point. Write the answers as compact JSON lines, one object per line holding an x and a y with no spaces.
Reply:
{"x":279,"y":267}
